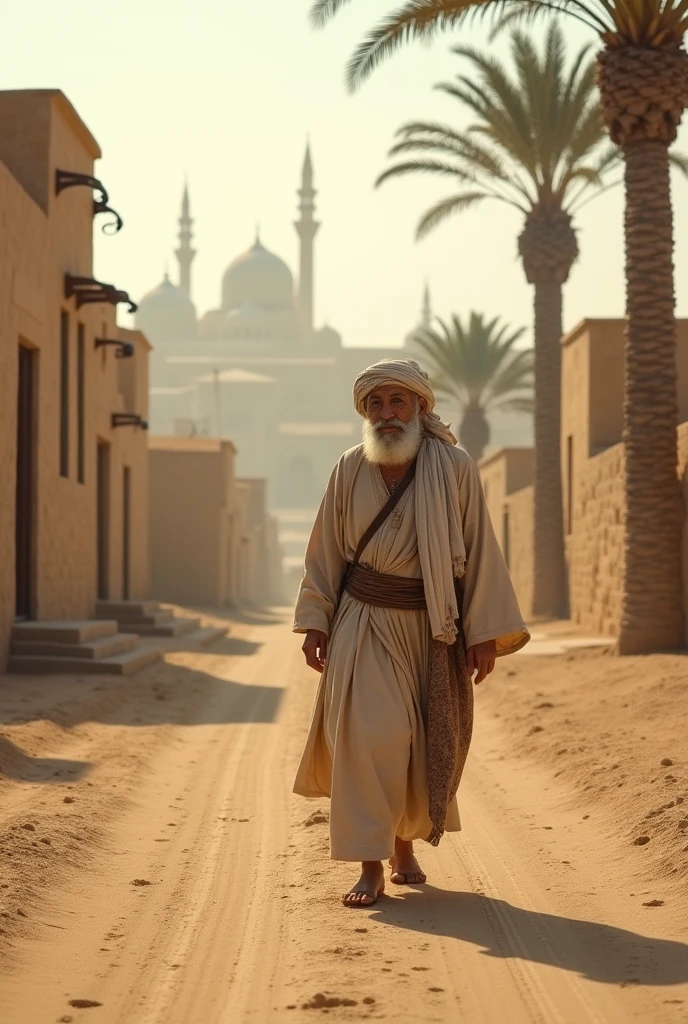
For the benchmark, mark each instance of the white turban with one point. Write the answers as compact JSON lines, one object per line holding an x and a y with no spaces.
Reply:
{"x":408,"y":374}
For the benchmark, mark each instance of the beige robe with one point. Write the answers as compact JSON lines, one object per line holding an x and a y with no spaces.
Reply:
{"x":366,"y":745}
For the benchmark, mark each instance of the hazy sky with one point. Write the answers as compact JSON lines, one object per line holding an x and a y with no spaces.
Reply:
{"x":226,"y":92}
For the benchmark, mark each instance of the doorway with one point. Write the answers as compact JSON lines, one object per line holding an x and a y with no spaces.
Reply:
{"x":126,"y":532}
{"x":103,"y":514}
{"x":24,"y":493}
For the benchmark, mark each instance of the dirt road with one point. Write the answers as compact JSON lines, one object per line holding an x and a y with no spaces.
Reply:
{"x":188,"y":886}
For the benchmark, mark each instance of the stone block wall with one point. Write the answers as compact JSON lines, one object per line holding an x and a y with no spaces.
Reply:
{"x":683,"y":477}
{"x":595,"y":546}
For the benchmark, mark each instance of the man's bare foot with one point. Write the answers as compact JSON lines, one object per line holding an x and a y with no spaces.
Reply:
{"x":405,"y":868}
{"x":369,"y":886}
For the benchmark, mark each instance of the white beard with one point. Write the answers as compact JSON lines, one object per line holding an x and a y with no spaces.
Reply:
{"x":392,"y":449}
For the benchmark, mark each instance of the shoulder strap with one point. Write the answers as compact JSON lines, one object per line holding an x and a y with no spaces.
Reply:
{"x":386,"y":510}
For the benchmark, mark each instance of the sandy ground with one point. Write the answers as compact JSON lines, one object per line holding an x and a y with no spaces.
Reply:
{"x":155,"y":868}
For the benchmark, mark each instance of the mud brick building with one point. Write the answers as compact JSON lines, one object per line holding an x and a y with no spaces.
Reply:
{"x":212,"y":541}
{"x":73,"y":458}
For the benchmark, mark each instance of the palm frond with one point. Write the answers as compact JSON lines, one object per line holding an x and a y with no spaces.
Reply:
{"x":538,"y":137}
{"x":679,"y":160}
{"x":643,"y":23}
{"x":475,"y":161}
{"x":424,"y":167}
{"x":431,"y":133}
{"x":530,"y":11}
{"x":415,"y":19}
{"x":478,"y":362}
{"x":438,"y":213}
{"x":524,"y":405}
{"x":323,"y":10}
{"x":424,"y":19}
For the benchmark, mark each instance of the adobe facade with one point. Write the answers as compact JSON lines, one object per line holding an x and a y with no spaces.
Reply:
{"x":75,"y":483}
{"x":212,"y":541}
{"x":592,"y":456}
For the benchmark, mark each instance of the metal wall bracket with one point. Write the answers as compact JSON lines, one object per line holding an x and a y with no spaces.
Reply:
{"x":128,"y":419}
{"x":123,"y":349}
{"x":112,"y":226}
{"x":88,"y":289}
{"x":72,"y":179}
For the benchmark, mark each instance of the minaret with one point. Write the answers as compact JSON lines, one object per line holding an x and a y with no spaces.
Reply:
{"x":185,"y":253}
{"x":306,"y":227}
{"x":426,"y":316}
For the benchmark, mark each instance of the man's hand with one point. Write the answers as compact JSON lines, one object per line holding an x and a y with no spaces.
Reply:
{"x":315,"y":649}
{"x":481,"y":659}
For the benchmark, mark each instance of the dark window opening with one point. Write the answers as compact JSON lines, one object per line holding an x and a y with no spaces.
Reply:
{"x":505,"y":537}
{"x":24,"y":495}
{"x":569,"y":484}
{"x":64,"y":394}
{"x":103,"y":519}
{"x":126,"y":533}
{"x":81,"y":395}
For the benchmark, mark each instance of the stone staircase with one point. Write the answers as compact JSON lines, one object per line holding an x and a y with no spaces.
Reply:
{"x":149,"y":618}
{"x":87,"y":647}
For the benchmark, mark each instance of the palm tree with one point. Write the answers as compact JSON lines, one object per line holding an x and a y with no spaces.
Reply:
{"x":535,"y":145}
{"x":480,"y":369}
{"x":642,"y":72}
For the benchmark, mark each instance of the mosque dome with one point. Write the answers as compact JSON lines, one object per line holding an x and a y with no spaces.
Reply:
{"x":166,"y":312}
{"x":258,"y":278}
{"x":327,"y":335}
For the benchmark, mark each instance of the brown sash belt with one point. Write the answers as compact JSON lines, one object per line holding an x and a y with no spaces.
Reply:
{"x":383,"y":590}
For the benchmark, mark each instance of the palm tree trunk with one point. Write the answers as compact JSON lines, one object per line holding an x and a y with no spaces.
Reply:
{"x":549,"y":566}
{"x":652,"y":613}
{"x":474,"y":432}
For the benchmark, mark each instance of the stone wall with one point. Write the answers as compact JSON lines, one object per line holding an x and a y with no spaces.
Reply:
{"x":683,"y":476}
{"x":595,"y":545}
{"x":592,"y":470}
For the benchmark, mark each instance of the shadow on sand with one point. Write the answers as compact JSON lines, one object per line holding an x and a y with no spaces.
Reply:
{"x":21,"y":767}
{"x":233,"y":646}
{"x":599,"y":952}
{"x":163,"y":694}
{"x":246,"y":616}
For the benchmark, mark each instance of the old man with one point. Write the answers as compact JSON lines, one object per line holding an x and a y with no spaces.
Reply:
{"x":405,"y":597}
